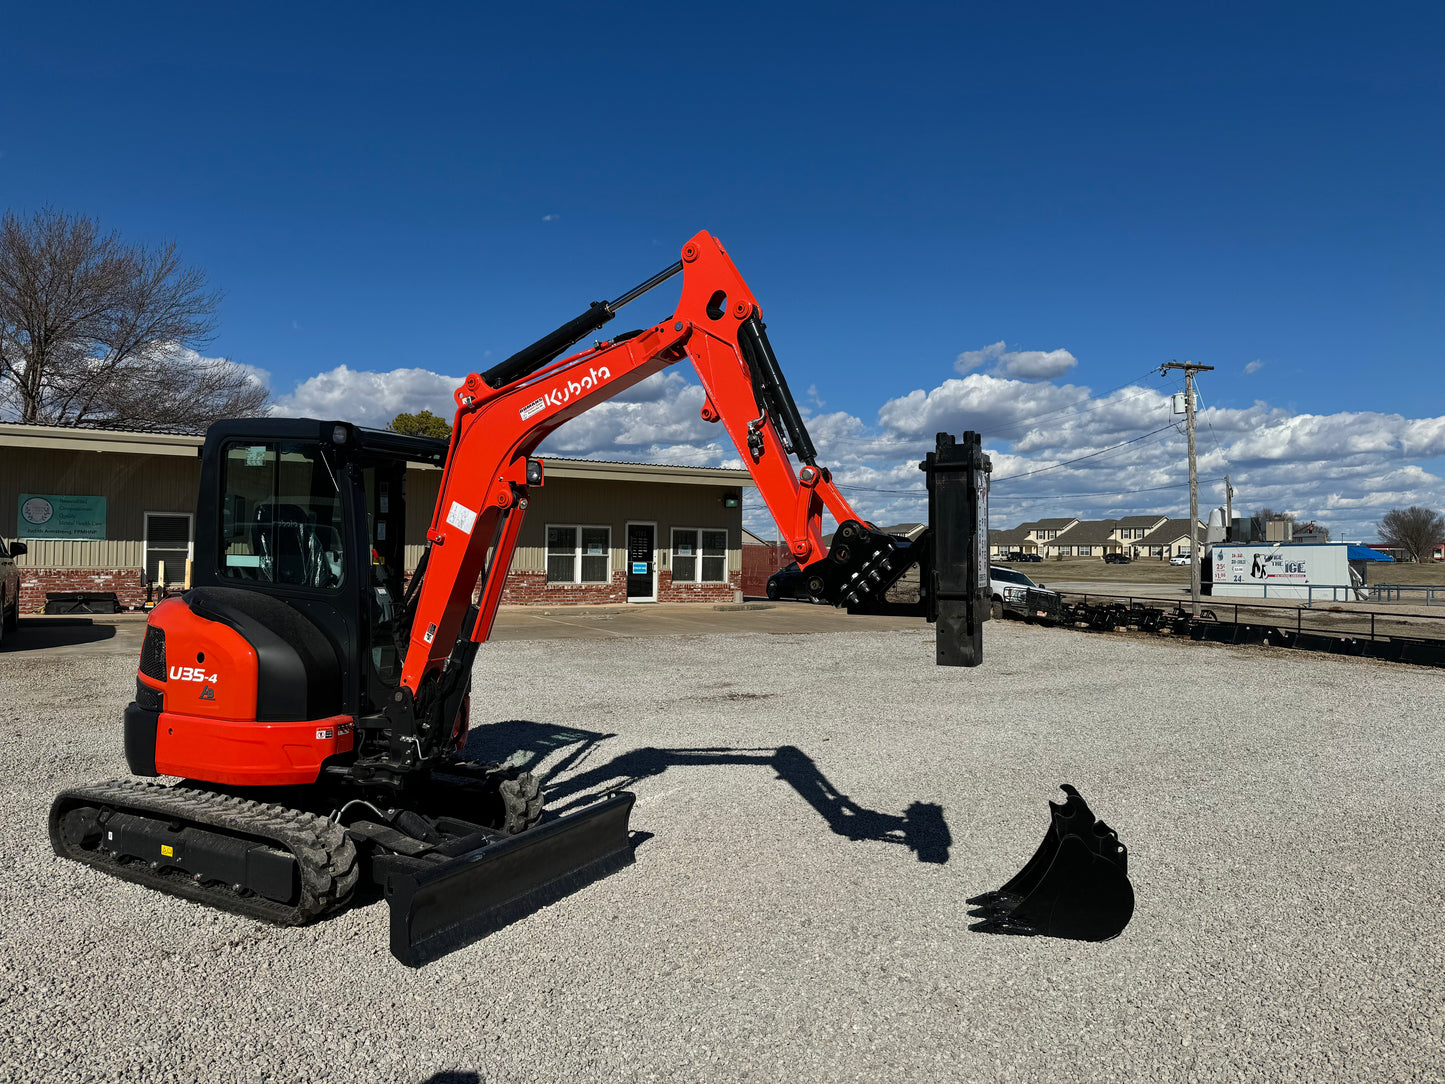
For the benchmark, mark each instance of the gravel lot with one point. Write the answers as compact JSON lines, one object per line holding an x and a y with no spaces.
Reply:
{"x":1282,"y":812}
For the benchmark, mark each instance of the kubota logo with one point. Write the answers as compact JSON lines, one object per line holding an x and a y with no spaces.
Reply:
{"x":565,"y":393}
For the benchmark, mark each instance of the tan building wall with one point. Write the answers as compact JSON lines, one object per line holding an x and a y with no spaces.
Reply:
{"x":601,"y":502}
{"x":140,"y":473}
{"x":131,"y":484}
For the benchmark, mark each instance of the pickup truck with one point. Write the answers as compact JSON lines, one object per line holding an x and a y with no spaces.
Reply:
{"x":9,"y":586}
{"x":1014,"y":593}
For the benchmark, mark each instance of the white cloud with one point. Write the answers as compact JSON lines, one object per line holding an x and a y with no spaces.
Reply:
{"x":1084,"y":454}
{"x":1017,"y":364}
{"x":370,"y":398}
{"x":1253,"y":367}
{"x":257,"y":376}
{"x":551,"y":218}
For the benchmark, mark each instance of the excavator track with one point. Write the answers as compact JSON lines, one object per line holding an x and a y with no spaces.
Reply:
{"x":210,"y":831}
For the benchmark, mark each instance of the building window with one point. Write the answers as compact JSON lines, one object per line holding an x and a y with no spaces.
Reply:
{"x":1086,"y":551}
{"x":167,"y":545}
{"x":699,"y":555}
{"x":579,"y":554}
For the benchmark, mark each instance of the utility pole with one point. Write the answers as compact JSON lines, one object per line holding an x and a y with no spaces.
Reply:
{"x":1194,"y":557}
{"x":1228,"y":510}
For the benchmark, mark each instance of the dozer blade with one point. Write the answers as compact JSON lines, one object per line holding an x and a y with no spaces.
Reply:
{"x":443,"y":907}
{"x":1076,"y":885}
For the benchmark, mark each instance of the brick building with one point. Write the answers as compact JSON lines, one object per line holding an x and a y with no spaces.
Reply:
{"x":105,"y":511}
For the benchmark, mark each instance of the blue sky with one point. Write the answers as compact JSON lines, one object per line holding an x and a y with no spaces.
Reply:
{"x":392,"y":198}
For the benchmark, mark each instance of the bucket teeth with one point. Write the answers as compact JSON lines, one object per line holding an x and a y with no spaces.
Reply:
{"x":1076,"y":885}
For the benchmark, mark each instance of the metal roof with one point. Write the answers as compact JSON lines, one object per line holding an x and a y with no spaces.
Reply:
{"x":1087,"y":532}
{"x":69,"y":439}
{"x":1169,"y":532}
{"x":1008,"y":537}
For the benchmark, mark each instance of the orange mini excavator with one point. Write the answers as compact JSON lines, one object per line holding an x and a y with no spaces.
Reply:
{"x":314,"y":704}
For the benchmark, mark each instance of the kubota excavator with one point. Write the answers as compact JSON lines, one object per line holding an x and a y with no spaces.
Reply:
{"x":315,"y":705}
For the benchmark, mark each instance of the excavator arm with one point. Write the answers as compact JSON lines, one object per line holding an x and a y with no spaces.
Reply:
{"x":504,"y":414}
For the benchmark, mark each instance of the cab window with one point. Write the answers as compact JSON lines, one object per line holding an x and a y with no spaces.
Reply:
{"x":280,"y":515}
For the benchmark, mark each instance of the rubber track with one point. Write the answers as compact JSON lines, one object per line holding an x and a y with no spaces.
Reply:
{"x":325,"y":857}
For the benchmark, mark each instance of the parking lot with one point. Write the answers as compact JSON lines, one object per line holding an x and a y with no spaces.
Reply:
{"x":815,"y":801}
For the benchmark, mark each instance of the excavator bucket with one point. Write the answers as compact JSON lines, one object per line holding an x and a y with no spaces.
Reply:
{"x":438,"y":908}
{"x":1076,"y":885}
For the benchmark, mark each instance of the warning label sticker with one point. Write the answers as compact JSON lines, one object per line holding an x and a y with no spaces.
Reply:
{"x":461,"y":517}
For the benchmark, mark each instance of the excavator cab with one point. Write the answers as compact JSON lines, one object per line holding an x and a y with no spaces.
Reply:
{"x":312,"y":515}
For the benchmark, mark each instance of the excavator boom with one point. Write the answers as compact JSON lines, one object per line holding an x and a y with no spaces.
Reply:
{"x":503,"y":415}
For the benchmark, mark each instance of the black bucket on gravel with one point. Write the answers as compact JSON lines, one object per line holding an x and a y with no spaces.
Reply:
{"x":1075,"y":886}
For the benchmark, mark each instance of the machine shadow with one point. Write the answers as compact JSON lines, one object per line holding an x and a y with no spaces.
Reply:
{"x":35,"y":633}
{"x":921,"y":828}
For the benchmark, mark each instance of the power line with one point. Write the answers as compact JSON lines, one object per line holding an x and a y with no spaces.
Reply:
{"x":1099,"y":405}
{"x":1020,"y":423}
{"x":1009,"y":497}
{"x":1042,"y":470}
{"x":1040,"y":496}
{"x":1212,"y":436}
{"x":1102,"y":493}
{"x":1080,"y":459}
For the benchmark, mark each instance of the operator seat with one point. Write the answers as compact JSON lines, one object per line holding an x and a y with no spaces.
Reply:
{"x":282,"y":534}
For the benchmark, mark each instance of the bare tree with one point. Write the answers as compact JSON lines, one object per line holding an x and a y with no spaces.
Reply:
{"x":1415,"y":531}
{"x":96,"y":332}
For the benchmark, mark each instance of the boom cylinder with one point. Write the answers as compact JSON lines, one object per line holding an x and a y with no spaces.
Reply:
{"x":545,"y":350}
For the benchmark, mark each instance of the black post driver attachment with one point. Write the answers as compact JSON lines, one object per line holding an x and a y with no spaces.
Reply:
{"x":951,"y":556}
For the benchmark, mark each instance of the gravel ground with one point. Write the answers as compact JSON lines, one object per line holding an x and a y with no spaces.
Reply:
{"x":1282,"y":812}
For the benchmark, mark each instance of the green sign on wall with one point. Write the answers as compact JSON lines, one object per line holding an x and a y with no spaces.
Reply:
{"x":54,"y":515}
